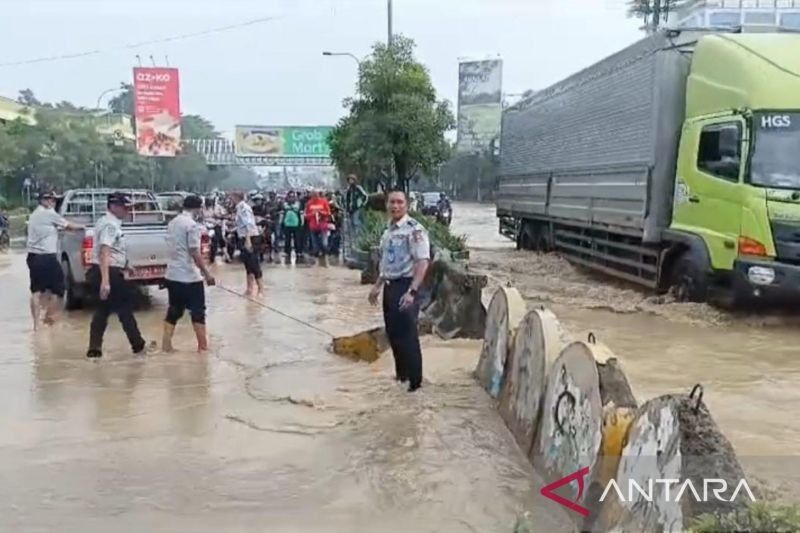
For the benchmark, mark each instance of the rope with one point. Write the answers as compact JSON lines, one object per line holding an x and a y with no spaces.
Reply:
{"x":277,"y":311}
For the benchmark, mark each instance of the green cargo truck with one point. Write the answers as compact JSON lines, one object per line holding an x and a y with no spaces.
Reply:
{"x":674,"y":163}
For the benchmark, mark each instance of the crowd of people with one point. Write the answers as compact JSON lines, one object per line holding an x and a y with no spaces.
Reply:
{"x":303,"y":227}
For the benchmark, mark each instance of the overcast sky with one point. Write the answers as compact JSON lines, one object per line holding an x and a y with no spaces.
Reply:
{"x":273,"y":72}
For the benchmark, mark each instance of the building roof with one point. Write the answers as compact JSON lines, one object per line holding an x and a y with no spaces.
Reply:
{"x":12,"y":110}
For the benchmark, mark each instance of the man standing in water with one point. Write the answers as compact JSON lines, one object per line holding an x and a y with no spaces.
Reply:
{"x":107,"y":277}
{"x":249,"y":238}
{"x":292,"y":222}
{"x":405,"y":256}
{"x":46,"y":276}
{"x":355,"y":200}
{"x":185,"y":274}
{"x":318,"y":218}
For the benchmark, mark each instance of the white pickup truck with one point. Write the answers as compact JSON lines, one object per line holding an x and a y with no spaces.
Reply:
{"x":145,"y":237}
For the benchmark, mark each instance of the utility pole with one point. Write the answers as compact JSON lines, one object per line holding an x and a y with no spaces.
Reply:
{"x":389,"y":7}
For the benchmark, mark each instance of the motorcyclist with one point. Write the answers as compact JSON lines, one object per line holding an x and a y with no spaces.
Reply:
{"x":444,"y":211}
{"x":443,"y":203}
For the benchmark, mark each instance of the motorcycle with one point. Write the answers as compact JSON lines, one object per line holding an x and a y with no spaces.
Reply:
{"x":215,"y":231}
{"x":444,"y":216}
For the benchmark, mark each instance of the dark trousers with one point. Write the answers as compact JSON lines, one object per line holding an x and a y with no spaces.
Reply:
{"x":401,"y":329}
{"x":252,"y":265}
{"x":291,"y":239}
{"x":119,"y":302}
{"x":183,"y":296}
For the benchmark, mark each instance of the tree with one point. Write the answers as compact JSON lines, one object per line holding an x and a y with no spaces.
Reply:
{"x":395,"y":127}
{"x":653,"y":12}
{"x":197,"y":127}
{"x":123,"y":102}
{"x":64,"y":150}
{"x":26,"y":97}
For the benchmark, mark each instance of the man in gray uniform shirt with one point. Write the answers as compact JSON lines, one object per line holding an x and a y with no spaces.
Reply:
{"x":46,"y":276}
{"x":405,"y":257}
{"x":185,"y":274}
{"x":107,"y":277}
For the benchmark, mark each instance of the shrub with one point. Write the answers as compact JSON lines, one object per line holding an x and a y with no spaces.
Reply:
{"x":761,"y":516}
{"x":441,"y":236}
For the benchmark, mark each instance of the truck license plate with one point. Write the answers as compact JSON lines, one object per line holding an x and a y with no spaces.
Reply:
{"x":148,"y":272}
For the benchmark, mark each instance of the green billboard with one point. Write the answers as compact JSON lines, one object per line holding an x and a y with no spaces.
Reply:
{"x":283,"y":141}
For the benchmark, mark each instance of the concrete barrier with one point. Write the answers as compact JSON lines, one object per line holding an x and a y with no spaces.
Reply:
{"x":451,"y":308}
{"x":577,"y":412}
{"x":539,"y":340}
{"x":503,"y":316}
{"x":673,"y":437}
{"x":455,"y":309}
{"x":583,"y":380}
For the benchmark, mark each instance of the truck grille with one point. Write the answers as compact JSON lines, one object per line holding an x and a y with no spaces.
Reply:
{"x":787,"y":241}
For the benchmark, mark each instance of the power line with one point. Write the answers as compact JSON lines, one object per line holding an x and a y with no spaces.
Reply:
{"x":130,"y":46}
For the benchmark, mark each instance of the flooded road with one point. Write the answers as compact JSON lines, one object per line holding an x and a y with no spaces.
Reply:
{"x":749,"y":365}
{"x":267,"y":432}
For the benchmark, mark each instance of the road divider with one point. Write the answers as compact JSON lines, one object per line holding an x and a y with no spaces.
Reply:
{"x":571,"y":409}
{"x":503,"y":317}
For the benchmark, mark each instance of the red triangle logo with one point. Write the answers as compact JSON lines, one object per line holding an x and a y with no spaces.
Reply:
{"x":548,"y":491}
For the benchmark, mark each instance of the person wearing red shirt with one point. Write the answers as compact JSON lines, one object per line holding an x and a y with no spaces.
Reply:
{"x":318,"y":219}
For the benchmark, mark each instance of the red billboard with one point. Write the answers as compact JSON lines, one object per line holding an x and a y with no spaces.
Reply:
{"x":156,"y":99}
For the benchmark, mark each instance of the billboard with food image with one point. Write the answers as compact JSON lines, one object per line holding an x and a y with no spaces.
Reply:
{"x":157,"y":110}
{"x":480,"y":104}
{"x":283,"y":141}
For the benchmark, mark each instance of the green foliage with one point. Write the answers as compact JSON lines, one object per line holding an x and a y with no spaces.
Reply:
{"x":122,"y":102}
{"x":395,"y":128}
{"x":440,"y":235}
{"x":64,"y":150}
{"x":760,"y":516}
{"x":197,"y":127}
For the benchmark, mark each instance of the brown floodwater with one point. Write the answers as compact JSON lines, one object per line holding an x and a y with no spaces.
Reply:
{"x":748,"y":363}
{"x":270,"y":432}
{"x":267,"y":432}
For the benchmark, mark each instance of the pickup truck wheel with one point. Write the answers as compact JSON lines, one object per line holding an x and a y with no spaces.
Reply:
{"x":689,"y":280}
{"x":72,"y":299}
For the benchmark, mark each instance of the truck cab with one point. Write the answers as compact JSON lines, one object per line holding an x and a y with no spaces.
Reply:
{"x":737,"y":184}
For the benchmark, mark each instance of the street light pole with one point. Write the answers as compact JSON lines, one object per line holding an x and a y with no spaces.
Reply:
{"x":348,"y":54}
{"x":389,"y":7}
{"x":102,"y":94}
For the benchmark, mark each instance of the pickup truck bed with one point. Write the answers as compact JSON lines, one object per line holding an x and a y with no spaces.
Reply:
{"x":145,"y":236}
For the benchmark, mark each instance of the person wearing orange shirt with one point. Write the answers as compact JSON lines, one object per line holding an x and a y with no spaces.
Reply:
{"x":318,"y":219}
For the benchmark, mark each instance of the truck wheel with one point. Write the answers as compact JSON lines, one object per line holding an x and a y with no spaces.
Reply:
{"x":73,"y":299}
{"x":689,"y":281}
{"x":527,"y":237}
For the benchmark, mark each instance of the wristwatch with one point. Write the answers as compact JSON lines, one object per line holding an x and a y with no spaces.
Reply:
{"x":412,"y":292}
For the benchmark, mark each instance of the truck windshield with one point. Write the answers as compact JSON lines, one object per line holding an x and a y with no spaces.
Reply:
{"x":776,"y":155}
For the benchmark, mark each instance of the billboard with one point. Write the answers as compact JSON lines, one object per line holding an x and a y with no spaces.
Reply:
{"x":157,"y":111}
{"x":480,"y":104}
{"x":283,"y":141}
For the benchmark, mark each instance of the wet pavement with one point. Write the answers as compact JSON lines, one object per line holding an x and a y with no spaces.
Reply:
{"x":748,"y":363}
{"x":267,"y":432}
